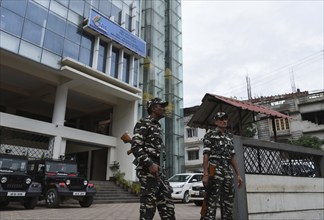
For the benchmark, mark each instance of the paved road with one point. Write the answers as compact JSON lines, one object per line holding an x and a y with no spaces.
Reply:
{"x":114,"y":211}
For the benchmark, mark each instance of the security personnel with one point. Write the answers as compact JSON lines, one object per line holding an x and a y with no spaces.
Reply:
{"x":219,"y":151}
{"x":148,"y":148}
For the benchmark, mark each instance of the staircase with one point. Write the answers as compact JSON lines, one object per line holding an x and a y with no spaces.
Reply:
{"x":109,"y":192}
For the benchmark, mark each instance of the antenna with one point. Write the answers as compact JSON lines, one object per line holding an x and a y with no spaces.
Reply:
{"x":292,"y":80}
{"x":248,"y":84}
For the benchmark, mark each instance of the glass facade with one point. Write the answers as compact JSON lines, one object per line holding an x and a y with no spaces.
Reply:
{"x":49,"y":30}
{"x":52,"y":30}
{"x":162,"y":72}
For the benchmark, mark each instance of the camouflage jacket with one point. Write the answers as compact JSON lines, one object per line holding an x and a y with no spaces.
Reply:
{"x":219,"y":146}
{"x":147,"y":143}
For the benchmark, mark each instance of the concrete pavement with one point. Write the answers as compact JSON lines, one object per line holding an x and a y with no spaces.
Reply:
{"x":113,"y":211}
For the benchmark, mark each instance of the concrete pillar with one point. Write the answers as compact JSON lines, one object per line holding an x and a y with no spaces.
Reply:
{"x":95,"y":52}
{"x":126,"y":116}
{"x":89,"y":164}
{"x":108,"y":58}
{"x":131,"y":69}
{"x":111,"y":157}
{"x":120,"y":64}
{"x":59,"y":118}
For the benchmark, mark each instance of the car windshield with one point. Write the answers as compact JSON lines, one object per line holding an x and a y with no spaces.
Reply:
{"x":12,"y":164}
{"x":60,"y":167}
{"x":179,"y":178}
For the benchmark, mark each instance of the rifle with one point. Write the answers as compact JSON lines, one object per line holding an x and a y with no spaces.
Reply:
{"x":127,"y":139}
{"x":211,"y":172}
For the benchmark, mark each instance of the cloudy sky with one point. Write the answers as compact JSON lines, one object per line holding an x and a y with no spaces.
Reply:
{"x":274,"y":43}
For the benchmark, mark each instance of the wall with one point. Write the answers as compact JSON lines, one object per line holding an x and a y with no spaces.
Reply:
{"x":284,"y":197}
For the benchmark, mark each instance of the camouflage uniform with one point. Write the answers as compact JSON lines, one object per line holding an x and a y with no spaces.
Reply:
{"x":147,"y":147}
{"x":220,"y":148}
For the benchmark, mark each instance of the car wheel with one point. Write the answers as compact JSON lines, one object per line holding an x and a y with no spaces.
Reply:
{"x":52,"y":198}
{"x":86,"y":201}
{"x":30,"y":202}
{"x":198,"y":203}
{"x":186,"y":197}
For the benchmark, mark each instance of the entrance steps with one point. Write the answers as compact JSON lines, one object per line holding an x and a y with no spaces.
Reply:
{"x":110,"y":192}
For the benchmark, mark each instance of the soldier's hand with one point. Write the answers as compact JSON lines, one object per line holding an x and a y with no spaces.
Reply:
{"x":239,"y":181}
{"x":154,"y":169}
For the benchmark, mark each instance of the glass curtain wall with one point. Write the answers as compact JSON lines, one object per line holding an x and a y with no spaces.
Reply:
{"x":162,"y":72}
{"x":48,"y":30}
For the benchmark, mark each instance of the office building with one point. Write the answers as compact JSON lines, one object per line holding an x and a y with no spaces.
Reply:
{"x":75,"y":75}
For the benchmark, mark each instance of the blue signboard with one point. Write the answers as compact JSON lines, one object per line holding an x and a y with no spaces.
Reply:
{"x":100,"y":23}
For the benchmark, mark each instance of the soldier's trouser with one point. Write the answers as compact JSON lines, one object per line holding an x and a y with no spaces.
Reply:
{"x":154,"y":195}
{"x":222,"y":189}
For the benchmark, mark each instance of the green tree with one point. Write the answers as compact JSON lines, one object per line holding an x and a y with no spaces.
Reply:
{"x":308,"y":141}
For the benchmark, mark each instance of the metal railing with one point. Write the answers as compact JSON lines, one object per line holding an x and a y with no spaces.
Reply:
{"x":19,"y":142}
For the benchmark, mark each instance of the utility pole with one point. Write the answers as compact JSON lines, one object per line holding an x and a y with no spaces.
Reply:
{"x":248,"y":83}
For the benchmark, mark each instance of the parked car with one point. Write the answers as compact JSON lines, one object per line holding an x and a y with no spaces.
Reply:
{"x":298,"y":168}
{"x":15,"y":183}
{"x":196,"y":193}
{"x":60,"y":181}
{"x":181,"y":183}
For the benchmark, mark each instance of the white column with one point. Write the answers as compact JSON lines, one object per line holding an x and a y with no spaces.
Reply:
{"x":111,"y":157}
{"x":131,"y":69}
{"x":60,"y":105}
{"x":58,"y":119}
{"x":95,"y":52}
{"x":108,"y":59}
{"x":120,"y":64}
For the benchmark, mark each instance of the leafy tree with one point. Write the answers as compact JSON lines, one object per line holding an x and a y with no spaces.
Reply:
{"x":308,"y":141}
{"x":249,"y":131}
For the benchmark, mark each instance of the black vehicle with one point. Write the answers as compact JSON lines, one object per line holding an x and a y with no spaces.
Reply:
{"x":15,"y":183}
{"x":60,"y":181}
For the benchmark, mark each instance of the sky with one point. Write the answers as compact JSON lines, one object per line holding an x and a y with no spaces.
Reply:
{"x":278,"y":45}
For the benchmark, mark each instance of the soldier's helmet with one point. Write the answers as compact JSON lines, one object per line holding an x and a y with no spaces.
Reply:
{"x":220,"y":115}
{"x":153,"y":102}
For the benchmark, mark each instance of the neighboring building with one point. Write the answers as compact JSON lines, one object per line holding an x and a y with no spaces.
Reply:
{"x":306,"y":108}
{"x":75,"y":75}
{"x":193,"y":143}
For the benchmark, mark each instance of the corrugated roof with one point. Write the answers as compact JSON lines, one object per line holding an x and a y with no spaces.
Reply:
{"x":239,"y":112}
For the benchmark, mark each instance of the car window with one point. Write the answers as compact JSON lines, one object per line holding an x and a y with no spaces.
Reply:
{"x":179,"y":178}
{"x":196,"y":177}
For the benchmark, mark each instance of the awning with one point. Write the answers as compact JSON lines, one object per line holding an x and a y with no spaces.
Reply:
{"x":239,"y":112}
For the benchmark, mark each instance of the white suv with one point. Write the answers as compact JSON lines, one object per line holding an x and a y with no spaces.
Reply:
{"x":181,"y":183}
{"x":196,"y":193}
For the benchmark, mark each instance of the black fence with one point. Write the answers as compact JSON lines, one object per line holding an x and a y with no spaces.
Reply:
{"x":258,"y":160}
{"x":271,"y":158}
{"x":26,"y":143}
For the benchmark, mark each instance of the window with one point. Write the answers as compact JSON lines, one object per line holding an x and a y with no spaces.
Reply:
{"x":282,"y":124}
{"x":193,"y":154}
{"x":73,"y":33}
{"x":37,"y":14}
{"x":11,"y":22}
{"x":71,"y":49}
{"x":114,"y":63}
{"x":86,"y":50}
{"x":33,"y":33}
{"x":56,"y":24}
{"x":17,"y":7}
{"x":53,"y":42}
{"x":126,"y":68}
{"x":192,"y":132}
{"x":102,"y":57}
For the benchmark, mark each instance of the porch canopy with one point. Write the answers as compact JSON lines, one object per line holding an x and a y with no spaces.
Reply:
{"x":240,"y":113}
